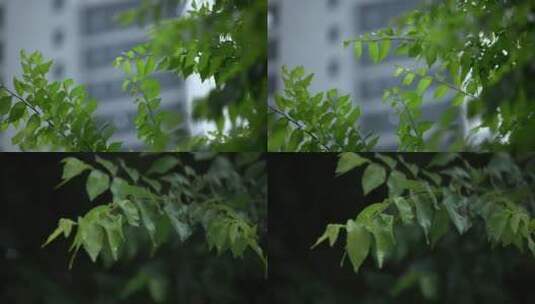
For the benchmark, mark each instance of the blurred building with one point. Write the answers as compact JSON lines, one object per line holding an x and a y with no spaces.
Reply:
{"x":83,"y":38}
{"x":311,"y":33}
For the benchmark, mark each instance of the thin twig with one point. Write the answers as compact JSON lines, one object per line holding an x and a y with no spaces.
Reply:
{"x":299,"y":126}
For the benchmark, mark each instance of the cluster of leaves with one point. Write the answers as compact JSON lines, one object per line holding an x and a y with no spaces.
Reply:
{"x":448,"y":191}
{"x":56,"y":115}
{"x":225,"y":42}
{"x":221,"y":201}
{"x":479,"y":51}
{"x":300,"y":121}
{"x":154,"y":126}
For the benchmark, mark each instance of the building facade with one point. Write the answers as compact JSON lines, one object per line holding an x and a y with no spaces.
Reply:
{"x":311,"y":33}
{"x":83,"y":38}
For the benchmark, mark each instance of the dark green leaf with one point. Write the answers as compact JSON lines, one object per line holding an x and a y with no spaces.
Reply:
{"x":163,"y":165}
{"x":397,"y":183}
{"x":5,"y":105}
{"x":349,"y":161}
{"x":373,"y":177}
{"x":17,"y":111}
{"x":97,"y":183}
{"x":424,"y":215}
{"x":404,"y":209}
{"x":107,"y":164}
{"x":440,"y":226}
{"x":357,"y":244}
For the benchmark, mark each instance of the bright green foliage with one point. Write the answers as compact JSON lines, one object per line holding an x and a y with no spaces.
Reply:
{"x":225,"y":42}
{"x":218,"y":200}
{"x":480,"y":52}
{"x":498,"y":195}
{"x":303,"y":122}
{"x":56,"y":115}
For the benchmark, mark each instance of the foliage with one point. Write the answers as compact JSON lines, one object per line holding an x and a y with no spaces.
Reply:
{"x":222,"y":42}
{"x":449,"y":191}
{"x":56,"y":115}
{"x":223,"y":201}
{"x":303,"y":122}
{"x":215,"y":43}
{"x":479,"y":54}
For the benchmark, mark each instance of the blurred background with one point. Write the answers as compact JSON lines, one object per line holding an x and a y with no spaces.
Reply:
{"x":311,"y":33}
{"x":83,"y":37}
{"x":305,"y":196}
{"x":176,"y":273}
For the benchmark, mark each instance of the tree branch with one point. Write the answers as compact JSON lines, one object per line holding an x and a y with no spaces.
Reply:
{"x":34,"y":109}
{"x":299,"y":126}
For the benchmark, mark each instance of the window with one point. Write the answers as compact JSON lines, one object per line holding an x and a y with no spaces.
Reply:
{"x":59,"y":70}
{"x":333,"y":68}
{"x":332,"y":4}
{"x":273,"y":15}
{"x":1,"y":16}
{"x":272,"y":49}
{"x":377,"y":14}
{"x":58,"y":4}
{"x":101,"y":18}
{"x":57,"y":38}
{"x":333,"y":35}
{"x":374,"y":87}
{"x":104,"y":55}
{"x":272,"y":84}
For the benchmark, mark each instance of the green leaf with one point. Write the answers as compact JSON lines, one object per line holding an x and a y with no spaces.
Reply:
{"x":366,"y":215}
{"x":5,"y":105}
{"x":97,"y":183}
{"x":132,"y":173}
{"x":357,"y":244}
{"x":424,"y":84}
{"x":442,"y":159}
{"x":440,"y":226}
{"x":349,"y":161}
{"x":153,"y":183}
{"x":408,"y":78}
{"x":107,"y":164}
{"x":441,"y":91}
{"x":373,"y":177}
{"x":64,"y":226}
{"x":163,"y":165}
{"x":130,"y":212}
{"x":72,"y":168}
{"x":373,"y":51}
{"x":383,"y":233}
{"x":389,"y":161}
{"x":113,"y":226}
{"x":384,"y":49}
{"x":497,"y":222}
{"x":150,"y":88}
{"x":17,"y":111}
{"x":19,"y":86}
{"x":331,"y":233}
{"x":148,"y":217}
{"x":451,"y":203}
{"x":178,"y":216}
{"x":358,"y":49}
{"x":397,"y":183}
{"x":424,"y":215}
{"x":404,"y":209}
{"x":91,"y":233}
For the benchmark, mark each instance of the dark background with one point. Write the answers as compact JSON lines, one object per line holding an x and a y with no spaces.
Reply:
{"x":305,"y":196}
{"x":31,"y":208}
